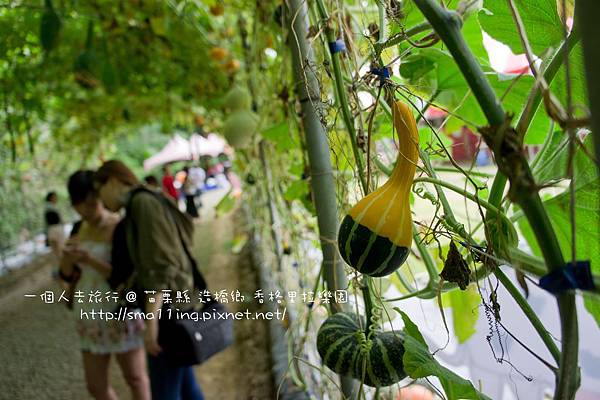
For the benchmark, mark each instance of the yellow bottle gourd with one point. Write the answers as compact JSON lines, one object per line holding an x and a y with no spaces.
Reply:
{"x":376,"y":234}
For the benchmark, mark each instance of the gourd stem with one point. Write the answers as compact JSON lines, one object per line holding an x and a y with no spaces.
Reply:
{"x":366,"y":291}
{"x":404,"y":282}
{"x":447,"y":26}
{"x":338,"y":81}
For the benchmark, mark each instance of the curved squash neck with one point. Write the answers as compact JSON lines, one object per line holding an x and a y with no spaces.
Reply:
{"x":408,"y":142}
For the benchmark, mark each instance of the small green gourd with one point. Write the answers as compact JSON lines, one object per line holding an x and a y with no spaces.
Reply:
{"x":239,"y":127}
{"x":345,"y":349}
{"x":376,"y":234}
{"x":50,"y":26}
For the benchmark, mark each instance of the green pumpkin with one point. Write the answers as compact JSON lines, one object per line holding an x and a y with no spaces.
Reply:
{"x":343,"y":347}
{"x":237,"y":98}
{"x":239,"y":128}
{"x":376,"y":234}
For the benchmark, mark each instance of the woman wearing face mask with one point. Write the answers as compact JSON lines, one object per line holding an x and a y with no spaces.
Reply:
{"x":160,"y":263}
{"x":87,"y":254}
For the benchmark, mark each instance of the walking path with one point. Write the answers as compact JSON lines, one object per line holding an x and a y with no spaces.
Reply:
{"x":39,"y":355}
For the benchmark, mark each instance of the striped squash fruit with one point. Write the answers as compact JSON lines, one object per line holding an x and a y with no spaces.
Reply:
{"x":344,"y":348}
{"x":376,"y":234}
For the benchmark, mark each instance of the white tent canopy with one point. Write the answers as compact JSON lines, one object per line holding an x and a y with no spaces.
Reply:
{"x":181,"y":149}
{"x":212,"y":145}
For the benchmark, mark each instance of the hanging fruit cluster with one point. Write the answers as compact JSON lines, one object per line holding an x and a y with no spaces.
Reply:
{"x":376,"y":234}
{"x":345,"y":348}
{"x":241,"y":122}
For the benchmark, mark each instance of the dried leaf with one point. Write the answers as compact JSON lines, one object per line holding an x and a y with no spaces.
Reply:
{"x":455,"y":268}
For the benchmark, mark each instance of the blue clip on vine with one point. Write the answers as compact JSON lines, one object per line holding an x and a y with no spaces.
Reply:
{"x":337,"y":46}
{"x":570,"y":277}
{"x":383,"y":73}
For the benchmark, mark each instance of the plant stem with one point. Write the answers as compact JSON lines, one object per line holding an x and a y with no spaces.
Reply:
{"x":527,"y":262}
{"x":404,"y":282}
{"x":273,"y":214}
{"x":466,"y":194}
{"x":322,"y":182}
{"x":412,"y":31}
{"x":447,"y":26}
{"x":366,"y":290}
{"x":587,"y":15}
{"x":382,"y":22}
{"x":342,"y":97}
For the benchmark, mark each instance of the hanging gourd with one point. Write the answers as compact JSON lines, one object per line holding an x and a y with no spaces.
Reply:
{"x":239,"y":128}
{"x":344,"y":348}
{"x":376,"y":234}
{"x":87,"y":65}
{"x":237,"y":98}
{"x":49,"y":27}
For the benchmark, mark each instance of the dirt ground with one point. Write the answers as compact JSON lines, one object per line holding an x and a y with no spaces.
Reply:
{"x":39,"y":356}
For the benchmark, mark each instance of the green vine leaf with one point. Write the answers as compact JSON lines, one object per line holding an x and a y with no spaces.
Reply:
{"x":296,"y":190}
{"x":419,"y":363}
{"x":540,"y":18}
{"x":280,"y":135}
{"x":465,"y":311}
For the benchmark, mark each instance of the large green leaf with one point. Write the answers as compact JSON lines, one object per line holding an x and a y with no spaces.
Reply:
{"x":544,"y":31}
{"x":471,"y":31}
{"x":465,"y":311}
{"x":296,"y":190}
{"x":540,"y":18}
{"x":577,"y":81}
{"x":280,"y":135}
{"x":429,"y":141}
{"x":419,"y":363}
{"x":552,"y":165}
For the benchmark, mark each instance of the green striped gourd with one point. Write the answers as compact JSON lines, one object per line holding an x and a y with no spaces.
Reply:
{"x":344,"y":348}
{"x":376,"y":234}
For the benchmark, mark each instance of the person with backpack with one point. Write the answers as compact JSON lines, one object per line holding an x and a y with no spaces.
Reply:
{"x":85,"y":265}
{"x":157,"y":237}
